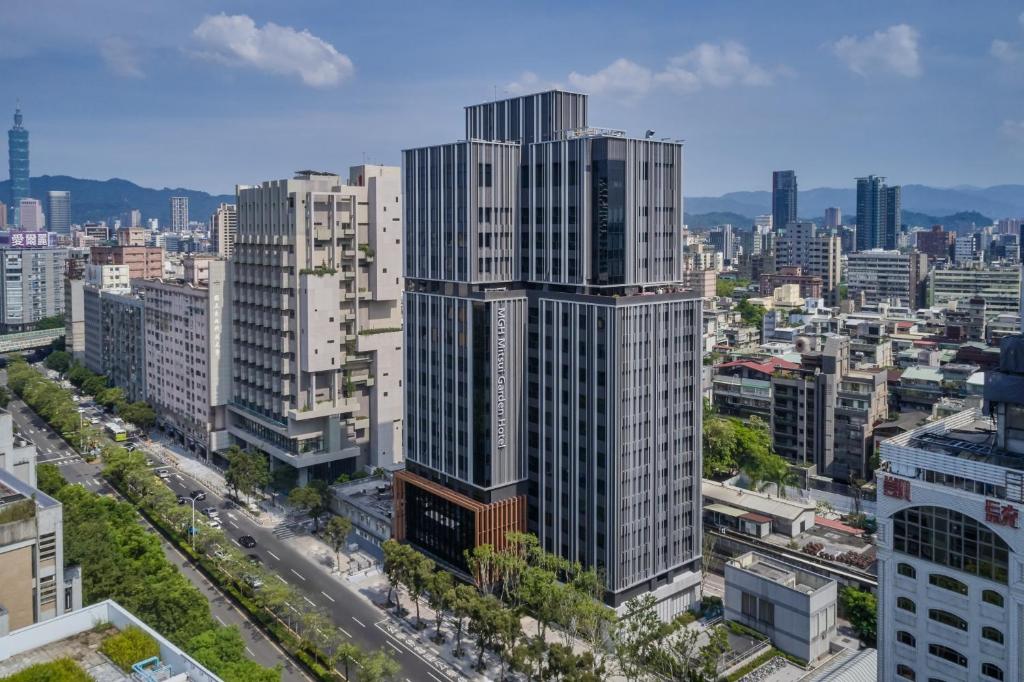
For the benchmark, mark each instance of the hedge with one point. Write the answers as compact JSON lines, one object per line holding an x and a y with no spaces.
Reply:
{"x":128,"y":647}
{"x":61,"y":670}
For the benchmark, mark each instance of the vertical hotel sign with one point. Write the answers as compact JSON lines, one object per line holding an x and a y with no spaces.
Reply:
{"x":500,"y":377}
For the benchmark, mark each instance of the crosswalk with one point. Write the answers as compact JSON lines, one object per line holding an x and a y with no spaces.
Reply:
{"x":61,"y":461}
{"x":283,"y":531}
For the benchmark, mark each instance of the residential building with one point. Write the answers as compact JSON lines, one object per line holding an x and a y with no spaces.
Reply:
{"x":224,"y":229}
{"x":131,"y":236}
{"x":74,"y":303}
{"x":964,"y":249}
{"x":179,"y":214}
{"x":723,"y":240}
{"x":32,"y":217}
{"x":936,"y":243}
{"x":144,"y":262}
{"x":949,"y":539}
{"x":879,"y":214}
{"x":17,"y":164}
{"x":784,"y":199}
{"x":999,"y":286}
{"x":833,"y":218}
{"x":891,"y":276}
{"x":743,"y":388}
{"x":368,"y":504}
{"x":533,"y":308}
{"x":316,"y":285}
{"x":115,"y":338}
{"x":794,"y":607}
{"x":135,"y":218}
{"x":816,"y":254}
{"x":108,"y":277}
{"x":188,"y":355}
{"x":32,"y":286}
{"x":35,"y":585}
{"x":58,"y":212}
{"x":810,"y":285}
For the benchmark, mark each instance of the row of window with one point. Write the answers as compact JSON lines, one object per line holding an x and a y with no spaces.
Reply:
{"x":990,"y":670}
{"x":946,"y":618}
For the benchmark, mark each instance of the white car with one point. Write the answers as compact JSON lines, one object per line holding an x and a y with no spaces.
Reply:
{"x":215,"y":522}
{"x":163,"y":473}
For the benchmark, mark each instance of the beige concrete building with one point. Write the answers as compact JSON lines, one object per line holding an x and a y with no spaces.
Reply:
{"x":815,"y":253}
{"x":188,"y":368}
{"x":143,"y":262}
{"x":108,"y":277}
{"x":131,"y":236}
{"x":224,"y":229}
{"x":316,"y":288}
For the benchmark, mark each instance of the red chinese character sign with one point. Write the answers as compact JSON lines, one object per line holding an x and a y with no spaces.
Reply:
{"x":1001,"y":514}
{"x":896,"y":487}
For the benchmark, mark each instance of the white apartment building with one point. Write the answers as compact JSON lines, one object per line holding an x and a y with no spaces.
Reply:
{"x":108,"y":277}
{"x":999,"y":286}
{"x":887,"y":276}
{"x":316,"y":290}
{"x":223,"y":229}
{"x":950,"y":542}
{"x":188,"y":368}
{"x":179,"y":214}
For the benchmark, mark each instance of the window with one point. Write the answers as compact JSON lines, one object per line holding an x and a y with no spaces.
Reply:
{"x":904,"y":637}
{"x":948,"y":538}
{"x":947,"y":654}
{"x":906,"y":604}
{"x":992,"y":597}
{"x":906,"y":570}
{"x":947,"y":583}
{"x":906,"y":672}
{"x":992,"y":670}
{"x":992,"y":634}
{"x":947,"y":618}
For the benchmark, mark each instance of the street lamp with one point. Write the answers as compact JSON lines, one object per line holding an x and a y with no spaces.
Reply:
{"x":192,"y":529}
{"x":81,"y":428}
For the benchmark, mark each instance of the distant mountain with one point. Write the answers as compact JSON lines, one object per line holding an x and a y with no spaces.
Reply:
{"x":704,"y":221}
{"x":999,"y":202}
{"x":107,"y":199}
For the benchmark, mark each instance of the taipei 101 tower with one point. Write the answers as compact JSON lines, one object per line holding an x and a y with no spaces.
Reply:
{"x":17,"y":145}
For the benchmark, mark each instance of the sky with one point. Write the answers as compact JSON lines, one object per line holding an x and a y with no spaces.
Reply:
{"x":206,"y":95}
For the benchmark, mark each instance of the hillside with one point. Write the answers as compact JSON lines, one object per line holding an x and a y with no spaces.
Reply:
{"x":107,"y":199}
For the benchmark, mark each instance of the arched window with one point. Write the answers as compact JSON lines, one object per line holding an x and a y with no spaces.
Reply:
{"x":992,"y":597}
{"x":904,"y":637}
{"x":992,"y":670}
{"x":906,"y":604}
{"x":906,"y":570}
{"x":948,"y":538}
{"x":947,"y":583}
{"x":947,"y":654}
{"x":990,"y":633}
{"x":947,"y":618}
{"x":906,"y":672}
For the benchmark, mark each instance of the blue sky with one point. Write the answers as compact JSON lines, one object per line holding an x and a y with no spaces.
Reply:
{"x":209,"y":94}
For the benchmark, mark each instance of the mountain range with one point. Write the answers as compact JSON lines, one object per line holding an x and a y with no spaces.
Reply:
{"x":955,"y":207}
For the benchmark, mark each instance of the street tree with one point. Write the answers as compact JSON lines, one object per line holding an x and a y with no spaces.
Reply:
{"x":310,"y":500}
{"x":418,"y":575}
{"x":378,"y":667}
{"x":247,"y":472}
{"x":395,"y":563}
{"x":463,"y":603}
{"x":336,"y":532}
{"x":440,"y":597}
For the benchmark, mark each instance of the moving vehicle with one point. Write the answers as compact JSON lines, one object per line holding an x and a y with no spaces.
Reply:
{"x":247,"y":541}
{"x":211,"y":511}
{"x":163,"y":473}
{"x":182,"y":499}
{"x":198,"y":495}
{"x":116,"y":432}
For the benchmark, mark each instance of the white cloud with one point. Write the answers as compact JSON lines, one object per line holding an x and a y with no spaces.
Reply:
{"x":1013,"y":129}
{"x":237,"y":41}
{"x":894,"y":50}
{"x":621,"y":77}
{"x":529,"y":82}
{"x":121,"y":58}
{"x":1006,"y":52}
{"x":709,"y":65}
{"x":716,"y":66}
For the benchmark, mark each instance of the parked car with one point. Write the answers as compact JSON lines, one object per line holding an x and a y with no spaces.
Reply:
{"x":215,"y":522}
{"x":211,"y":511}
{"x":220,"y":555}
{"x":198,"y":495}
{"x":253,"y":581}
{"x":247,"y":541}
{"x":182,"y":499}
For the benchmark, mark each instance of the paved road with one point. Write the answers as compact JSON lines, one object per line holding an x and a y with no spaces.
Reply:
{"x":53,"y":450}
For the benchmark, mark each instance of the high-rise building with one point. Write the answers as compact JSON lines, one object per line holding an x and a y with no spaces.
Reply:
{"x":3,"y":216}
{"x":144,"y":262}
{"x":74,"y":303}
{"x":784,"y":198}
{"x":950,"y":539}
{"x":17,"y":163}
{"x":887,"y":276}
{"x":58,"y":212}
{"x":816,"y":253}
{"x":179,"y":214}
{"x":833,"y":217}
{"x":224,"y":229}
{"x":135,"y":218}
{"x":31,"y":286}
{"x":549,"y":291}
{"x":316,"y":289}
{"x":723,"y":240}
{"x":115,"y":342}
{"x":879,"y":214}
{"x":32,"y":216}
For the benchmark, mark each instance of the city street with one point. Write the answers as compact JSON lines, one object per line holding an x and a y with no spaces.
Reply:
{"x":354,"y":616}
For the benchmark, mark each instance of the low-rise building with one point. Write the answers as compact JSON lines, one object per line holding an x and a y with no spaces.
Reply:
{"x":788,"y":517}
{"x":794,"y":607}
{"x":368,"y":504}
{"x":810,"y":285}
{"x":144,"y":262}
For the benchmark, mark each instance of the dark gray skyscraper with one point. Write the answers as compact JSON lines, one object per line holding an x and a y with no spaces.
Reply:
{"x":878,"y":213}
{"x":552,"y":355}
{"x":783,"y":199}
{"x":58,"y":212}
{"x":17,"y":159}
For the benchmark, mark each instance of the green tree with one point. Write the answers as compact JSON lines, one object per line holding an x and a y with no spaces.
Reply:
{"x":336,"y":532}
{"x":637,"y":637}
{"x":396,"y":562}
{"x":775,"y":471}
{"x":378,"y":667}
{"x":417,"y":579}
{"x":346,"y":654}
{"x":310,"y":500}
{"x":248,"y":471}
{"x":52,"y":322}
{"x":751,"y":313}
{"x":440,"y":597}
{"x":139,"y":413}
{"x":5,"y":397}
{"x":463,"y":602}
{"x":484,"y":624}
{"x":861,"y":609}
{"x":49,"y":479}
{"x":58,"y":361}
{"x":110,"y":397}
{"x":222,"y":650}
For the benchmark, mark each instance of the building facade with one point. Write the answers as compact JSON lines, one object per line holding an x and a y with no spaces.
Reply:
{"x":224,"y":229}
{"x":115,"y":343}
{"x":548,"y":289}
{"x":58,"y":212}
{"x":144,"y":262}
{"x":891,"y":276}
{"x":936,"y":243}
{"x":784,"y":199}
{"x":879,"y":213}
{"x":316,"y":283}
{"x":818,"y":254}
{"x":32,"y":217}
{"x":188,"y":366}
{"x":833,"y":218}
{"x":999,"y":286}
{"x":17,"y":164}
{"x":32,"y":282}
{"x":179,"y":214}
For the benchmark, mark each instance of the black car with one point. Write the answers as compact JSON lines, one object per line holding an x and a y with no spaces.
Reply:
{"x":198,"y":495}
{"x":247,"y":541}
{"x":182,"y":499}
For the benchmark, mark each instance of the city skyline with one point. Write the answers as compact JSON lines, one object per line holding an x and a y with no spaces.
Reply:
{"x":746,"y":104}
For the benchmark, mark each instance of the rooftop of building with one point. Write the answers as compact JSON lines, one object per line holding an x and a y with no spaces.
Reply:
{"x":370,"y":495}
{"x":968,"y":435}
{"x":766,"y":366}
{"x":13,"y":489}
{"x":749,"y":500}
{"x":788,"y":576}
{"x":921,"y":373}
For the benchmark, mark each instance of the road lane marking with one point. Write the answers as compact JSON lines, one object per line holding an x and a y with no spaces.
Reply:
{"x":393,"y":646}
{"x":310,"y":601}
{"x":358,"y":621}
{"x":231,"y":516}
{"x":327,"y":595}
{"x":252,"y":654}
{"x":233,"y":524}
{"x":219,"y":620}
{"x":433,"y":677}
{"x":298,"y":574}
{"x":280,"y":578}
{"x":273,"y":555}
{"x":345,"y":632}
